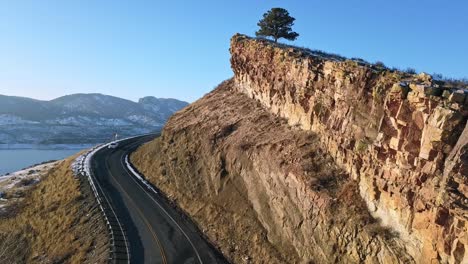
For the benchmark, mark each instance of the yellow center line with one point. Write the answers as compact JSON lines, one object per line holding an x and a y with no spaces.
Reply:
{"x":144,"y":190}
{"x":163,"y":255}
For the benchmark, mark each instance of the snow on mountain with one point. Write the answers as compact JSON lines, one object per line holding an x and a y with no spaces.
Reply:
{"x":162,"y":106}
{"x":9,"y":119}
{"x":85,"y":117}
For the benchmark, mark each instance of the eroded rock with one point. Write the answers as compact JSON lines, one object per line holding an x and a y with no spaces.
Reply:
{"x":409,"y":157}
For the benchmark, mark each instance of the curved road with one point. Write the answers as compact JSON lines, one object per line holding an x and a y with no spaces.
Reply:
{"x":156,"y":232}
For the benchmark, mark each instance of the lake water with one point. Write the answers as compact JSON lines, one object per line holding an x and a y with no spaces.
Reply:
{"x":19,"y":157}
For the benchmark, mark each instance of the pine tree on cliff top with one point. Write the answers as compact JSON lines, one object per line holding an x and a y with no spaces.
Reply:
{"x":277,"y":23}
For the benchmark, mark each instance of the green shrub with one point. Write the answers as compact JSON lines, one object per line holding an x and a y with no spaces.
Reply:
{"x":317,"y":108}
{"x":376,"y":229}
{"x":410,"y":70}
{"x":378,"y":93}
{"x":380,"y":64}
{"x":361,"y":145}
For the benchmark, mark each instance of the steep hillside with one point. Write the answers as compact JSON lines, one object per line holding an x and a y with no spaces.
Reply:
{"x":56,"y":222}
{"x":260,"y":189}
{"x":80,"y":118}
{"x":308,"y":157}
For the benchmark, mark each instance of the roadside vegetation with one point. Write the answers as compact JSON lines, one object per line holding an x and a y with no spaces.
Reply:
{"x":53,"y":223}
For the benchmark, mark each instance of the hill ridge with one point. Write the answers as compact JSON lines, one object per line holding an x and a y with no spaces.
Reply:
{"x":27,"y":120}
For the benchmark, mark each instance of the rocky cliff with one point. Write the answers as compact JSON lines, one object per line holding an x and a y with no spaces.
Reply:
{"x":304,"y":157}
{"x":399,"y":136}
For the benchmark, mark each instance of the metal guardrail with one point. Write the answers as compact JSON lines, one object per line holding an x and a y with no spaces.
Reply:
{"x":119,"y":248}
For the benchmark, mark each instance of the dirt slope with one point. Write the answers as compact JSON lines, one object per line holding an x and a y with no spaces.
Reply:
{"x":262,"y":191}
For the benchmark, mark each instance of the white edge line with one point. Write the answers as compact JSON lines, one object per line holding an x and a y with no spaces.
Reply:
{"x":84,"y":164}
{"x":138,"y":176}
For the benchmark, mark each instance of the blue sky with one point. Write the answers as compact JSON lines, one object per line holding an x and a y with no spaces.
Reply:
{"x":179,"y":49}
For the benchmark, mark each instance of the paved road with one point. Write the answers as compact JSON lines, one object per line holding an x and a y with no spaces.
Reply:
{"x":156,"y":232}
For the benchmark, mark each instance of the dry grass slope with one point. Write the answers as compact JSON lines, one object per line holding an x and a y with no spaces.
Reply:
{"x":56,"y":223}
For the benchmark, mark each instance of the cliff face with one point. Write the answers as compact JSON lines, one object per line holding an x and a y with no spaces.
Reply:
{"x":401,"y":138}
{"x":303,"y":158}
{"x":260,"y":190}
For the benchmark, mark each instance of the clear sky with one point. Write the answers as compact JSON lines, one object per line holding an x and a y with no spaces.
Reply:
{"x":179,"y":49}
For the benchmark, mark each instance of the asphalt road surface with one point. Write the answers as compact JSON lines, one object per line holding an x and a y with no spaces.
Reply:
{"x":157,"y":233}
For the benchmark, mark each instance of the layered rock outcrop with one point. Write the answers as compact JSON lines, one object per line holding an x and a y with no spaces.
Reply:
{"x":401,"y":137}
{"x":308,"y":158}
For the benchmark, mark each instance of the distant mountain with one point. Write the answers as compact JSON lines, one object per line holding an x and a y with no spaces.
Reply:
{"x":80,"y":118}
